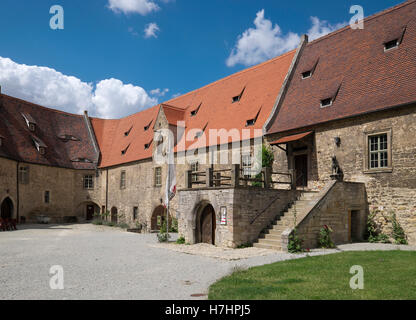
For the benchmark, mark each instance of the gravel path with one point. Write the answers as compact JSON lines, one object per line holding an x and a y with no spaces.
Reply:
{"x":106,"y":263}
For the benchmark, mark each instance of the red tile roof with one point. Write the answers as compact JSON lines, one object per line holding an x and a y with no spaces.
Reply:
{"x":262,"y":84}
{"x":291,"y":138}
{"x":18,"y":141}
{"x":354,"y":62}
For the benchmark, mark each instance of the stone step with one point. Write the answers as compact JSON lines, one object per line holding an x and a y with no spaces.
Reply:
{"x":275,"y":237}
{"x":266,"y":246}
{"x":270,"y":242}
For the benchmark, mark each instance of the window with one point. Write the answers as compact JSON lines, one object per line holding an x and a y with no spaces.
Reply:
{"x":24,"y":175}
{"x":246,"y":165}
{"x":123,"y":180}
{"x":378,"y":155}
{"x":195,"y":168}
{"x":88,"y":182}
{"x":47,"y":197}
{"x":126,"y":134}
{"x":326,"y":102}
{"x":252,"y":122}
{"x":195,"y":112}
{"x":30,"y":122}
{"x":306,"y":74}
{"x":123,"y":152}
{"x":238,"y":98}
{"x":135,"y":213}
{"x":378,"y":151}
{"x":148,"y":126}
{"x":158,"y":177}
{"x":391,"y":44}
{"x":147,"y":145}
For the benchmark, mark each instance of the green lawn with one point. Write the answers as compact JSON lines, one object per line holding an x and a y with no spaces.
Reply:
{"x":387,"y":275}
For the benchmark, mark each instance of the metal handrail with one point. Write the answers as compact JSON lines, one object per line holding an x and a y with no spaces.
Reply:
{"x":264,"y":210}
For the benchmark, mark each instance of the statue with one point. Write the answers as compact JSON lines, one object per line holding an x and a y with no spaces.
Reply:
{"x":337,"y":173}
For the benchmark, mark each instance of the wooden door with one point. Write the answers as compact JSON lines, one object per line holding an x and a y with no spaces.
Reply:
{"x":301,"y":168}
{"x":90,"y":212}
{"x":208,"y":225}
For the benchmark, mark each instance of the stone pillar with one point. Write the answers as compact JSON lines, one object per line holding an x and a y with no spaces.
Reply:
{"x":293,"y":177}
{"x":267,"y":175}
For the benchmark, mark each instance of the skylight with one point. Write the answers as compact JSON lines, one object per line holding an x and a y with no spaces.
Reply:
{"x":309,"y":68}
{"x":84,"y":160}
{"x":306,"y":74}
{"x":30,"y":122}
{"x":126,"y":134}
{"x":326,"y":102}
{"x":123,"y":152}
{"x":394,"y":38}
{"x":252,"y":122}
{"x":391,"y":44}
{"x":148,"y":126}
{"x":147,"y":145}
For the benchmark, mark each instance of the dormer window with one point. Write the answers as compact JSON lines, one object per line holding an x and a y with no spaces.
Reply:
{"x":147,"y":145}
{"x":394,"y":38}
{"x":391,"y":44}
{"x":252,"y":122}
{"x":146,"y":128}
{"x":306,"y":74}
{"x":326,"y":102}
{"x":82,"y":160}
{"x":30,"y":122}
{"x":68,"y":137}
{"x":309,"y":68}
{"x":238,"y":98}
{"x":123,"y":152}
{"x":126,"y":134}
{"x":40,"y":146}
{"x":200,"y":133}
{"x":195,"y":112}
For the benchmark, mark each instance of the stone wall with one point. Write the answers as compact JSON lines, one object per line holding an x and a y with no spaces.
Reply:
{"x":338,"y":201}
{"x":389,"y":191}
{"x":242,"y":204}
{"x":67,"y":194}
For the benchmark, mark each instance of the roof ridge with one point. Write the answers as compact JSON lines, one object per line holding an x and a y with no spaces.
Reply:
{"x":42,"y":107}
{"x":373,"y":16}
{"x":235,"y":74}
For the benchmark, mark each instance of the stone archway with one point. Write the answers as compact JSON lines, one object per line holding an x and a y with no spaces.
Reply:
{"x":206,"y":224}
{"x":158,"y":217}
{"x":114,"y":215}
{"x":7,"y":209}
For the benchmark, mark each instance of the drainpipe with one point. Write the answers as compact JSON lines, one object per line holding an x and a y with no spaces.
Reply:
{"x":106,"y":190}
{"x":17,"y":193}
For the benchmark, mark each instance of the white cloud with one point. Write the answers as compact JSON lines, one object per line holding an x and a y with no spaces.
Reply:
{"x":321,"y":28}
{"x":266,"y":41}
{"x":45,"y":86}
{"x":159,"y":92}
{"x":151,"y":30}
{"x":142,"y":7}
{"x":263,"y":42}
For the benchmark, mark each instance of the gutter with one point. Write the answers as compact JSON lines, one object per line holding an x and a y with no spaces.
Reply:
{"x":283,"y":90}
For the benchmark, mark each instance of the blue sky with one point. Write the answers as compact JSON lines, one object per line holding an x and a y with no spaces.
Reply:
{"x":191,"y":47}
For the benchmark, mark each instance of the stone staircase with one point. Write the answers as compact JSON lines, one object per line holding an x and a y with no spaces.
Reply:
{"x":271,"y":238}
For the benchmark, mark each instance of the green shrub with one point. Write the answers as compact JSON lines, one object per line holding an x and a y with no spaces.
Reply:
{"x":123,"y":225}
{"x":373,"y":232}
{"x":267,"y":158}
{"x":97,"y":222}
{"x":325,"y":240}
{"x":398,"y":234}
{"x":163,"y":237}
{"x":295,"y":242}
{"x":181,"y":240}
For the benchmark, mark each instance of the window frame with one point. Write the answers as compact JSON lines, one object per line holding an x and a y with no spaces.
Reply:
{"x":90,"y":179}
{"x":123,"y":179}
{"x":194,"y":169}
{"x":245,"y":166}
{"x":158,"y":177}
{"x":367,"y":158}
{"x":46,"y":197}
{"x":135,"y":213}
{"x":24,"y":175}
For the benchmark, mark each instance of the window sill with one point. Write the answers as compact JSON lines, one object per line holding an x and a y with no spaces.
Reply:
{"x":384,"y":170}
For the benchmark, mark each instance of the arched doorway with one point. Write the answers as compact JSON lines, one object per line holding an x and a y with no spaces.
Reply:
{"x":158,"y":217}
{"x":114,"y":214}
{"x":7,"y":209}
{"x":206,"y":225}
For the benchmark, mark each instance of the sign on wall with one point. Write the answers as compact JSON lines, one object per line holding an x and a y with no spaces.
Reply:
{"x":223,"y":211}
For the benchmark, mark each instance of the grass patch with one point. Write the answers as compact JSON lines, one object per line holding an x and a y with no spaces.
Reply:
{"x":387,"y":275}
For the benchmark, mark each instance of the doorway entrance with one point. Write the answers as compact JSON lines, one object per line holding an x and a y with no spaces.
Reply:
{"x":114,"y":215}
{"x":206,"y":225}
{"x":90,"y":212}
{"x":158,"y":218}
{"x":301,"y":168}
{"x":7,"y":209}
{"x":354,"y":226}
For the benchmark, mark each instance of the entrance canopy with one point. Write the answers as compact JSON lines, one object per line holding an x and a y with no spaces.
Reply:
{"x":292,"y":138}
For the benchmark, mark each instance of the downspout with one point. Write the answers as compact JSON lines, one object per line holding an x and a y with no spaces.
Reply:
{"x":17,"y":193}
{"x":286,"y":83}
{"x":106,"y":190}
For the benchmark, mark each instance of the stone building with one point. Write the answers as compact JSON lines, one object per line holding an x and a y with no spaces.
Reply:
{"x":338,"y":112}
{"x":352,"y":96}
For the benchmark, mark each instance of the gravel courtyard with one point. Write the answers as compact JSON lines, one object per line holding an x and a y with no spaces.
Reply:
{"x":106,"y":263}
